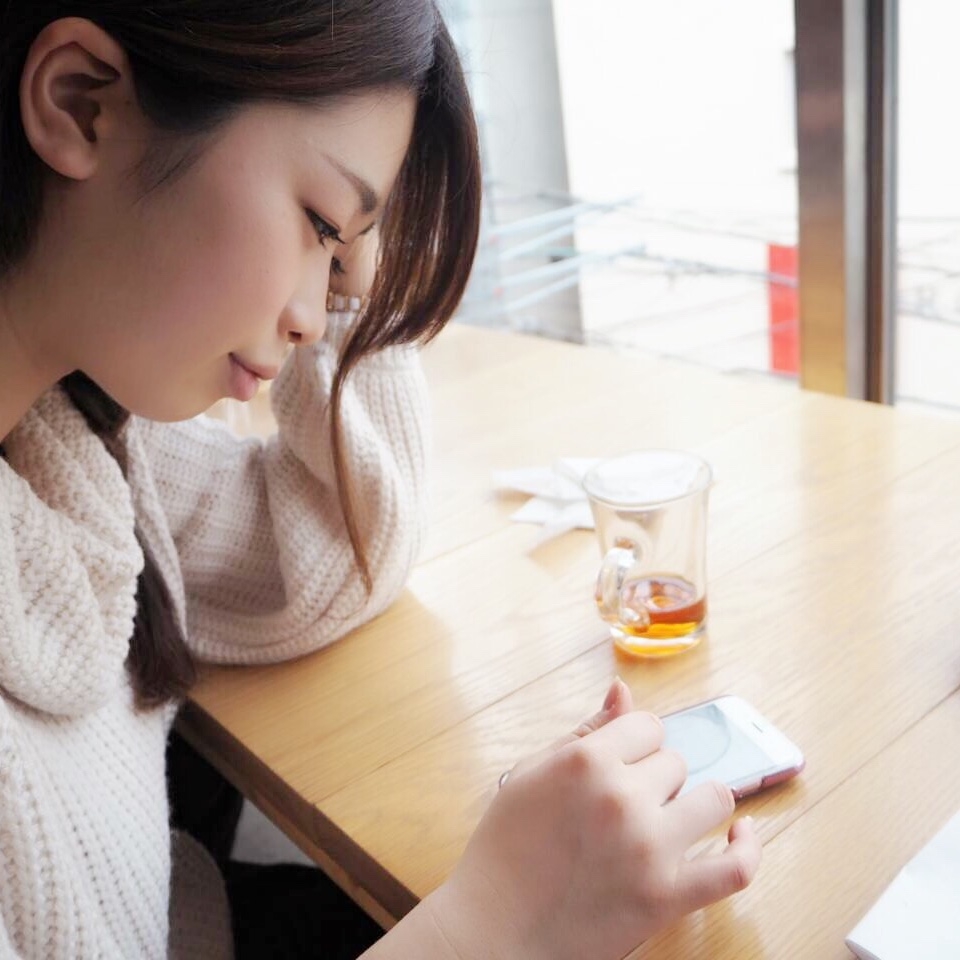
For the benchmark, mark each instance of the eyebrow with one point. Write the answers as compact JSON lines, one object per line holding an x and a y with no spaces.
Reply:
{"x":369,"y":201}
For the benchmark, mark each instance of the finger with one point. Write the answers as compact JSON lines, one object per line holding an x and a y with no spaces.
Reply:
{"x":698,"y":812}
{"x":624,"y":700}
{"x":631,"y":737}
{"x":705,"y":880}
{"x":359,"y":260}
{"x":659,"y":775}
{"x":619,"y":700}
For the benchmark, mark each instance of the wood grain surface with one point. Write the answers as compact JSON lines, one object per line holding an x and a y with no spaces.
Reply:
{"x":834,"y":564}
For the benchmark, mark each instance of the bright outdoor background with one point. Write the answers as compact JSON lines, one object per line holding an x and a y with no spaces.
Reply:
{"x":641,"y":169}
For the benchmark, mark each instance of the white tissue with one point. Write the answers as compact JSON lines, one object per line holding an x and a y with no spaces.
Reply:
{"x":558,"y":502}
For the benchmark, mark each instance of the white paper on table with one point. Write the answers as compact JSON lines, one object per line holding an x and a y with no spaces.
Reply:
{"x":558,"y":501}
{"x":918,"y":915}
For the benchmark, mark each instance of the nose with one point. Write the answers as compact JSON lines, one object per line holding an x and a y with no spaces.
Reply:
{"x":303,"y":325}
{"x":304,"y":318}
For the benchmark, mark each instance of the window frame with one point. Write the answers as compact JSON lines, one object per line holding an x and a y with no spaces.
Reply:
{"x":846,"y":71}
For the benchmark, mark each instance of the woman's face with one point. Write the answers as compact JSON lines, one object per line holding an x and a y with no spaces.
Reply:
{"x":175,"y":291}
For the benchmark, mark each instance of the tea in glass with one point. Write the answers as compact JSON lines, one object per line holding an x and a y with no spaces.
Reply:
{"x":650,"y":513}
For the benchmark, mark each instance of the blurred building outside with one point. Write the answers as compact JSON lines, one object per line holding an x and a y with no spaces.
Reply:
{"x":640,"y":161}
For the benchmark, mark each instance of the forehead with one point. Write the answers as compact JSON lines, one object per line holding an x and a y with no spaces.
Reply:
{"x":362,"y":137}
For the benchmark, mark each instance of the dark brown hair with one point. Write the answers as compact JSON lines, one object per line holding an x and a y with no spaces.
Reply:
{"x":195,"y":63}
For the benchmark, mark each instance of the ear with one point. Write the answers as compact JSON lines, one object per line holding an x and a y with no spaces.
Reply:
{"x":75,"y":90}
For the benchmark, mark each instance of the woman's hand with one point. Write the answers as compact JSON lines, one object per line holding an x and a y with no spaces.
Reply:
{"x":583,"y":851}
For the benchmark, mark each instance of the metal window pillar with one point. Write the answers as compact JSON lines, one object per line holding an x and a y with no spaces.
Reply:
{"x":846,"y":117}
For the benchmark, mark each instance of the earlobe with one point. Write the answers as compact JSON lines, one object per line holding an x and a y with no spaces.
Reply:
{"x":67,"y":92}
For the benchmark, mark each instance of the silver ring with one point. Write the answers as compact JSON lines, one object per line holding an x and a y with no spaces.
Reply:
{"x":504,"y":777}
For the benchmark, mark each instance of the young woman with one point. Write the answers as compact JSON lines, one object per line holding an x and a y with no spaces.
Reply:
{"x":183,"y":183}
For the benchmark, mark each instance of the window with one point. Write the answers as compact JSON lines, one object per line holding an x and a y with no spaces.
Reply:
{"x":928,"y":188}
{"x":641,"y":168}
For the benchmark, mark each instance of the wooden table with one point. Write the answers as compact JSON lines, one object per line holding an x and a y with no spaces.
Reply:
{"x":834,"y":559}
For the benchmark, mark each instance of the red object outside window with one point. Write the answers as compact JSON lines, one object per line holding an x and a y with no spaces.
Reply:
{"x":784,"y":313}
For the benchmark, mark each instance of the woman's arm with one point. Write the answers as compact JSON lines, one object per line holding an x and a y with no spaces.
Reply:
{"x":258,"y":527}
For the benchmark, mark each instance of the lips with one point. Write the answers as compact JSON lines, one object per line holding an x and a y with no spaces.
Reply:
{"x":245,"y":378}
{"x":261,"y":372}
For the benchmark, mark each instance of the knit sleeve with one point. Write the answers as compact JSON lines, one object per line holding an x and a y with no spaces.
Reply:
{"x":20,"y":864}
{"x":267,"y":567}
{"x":6,"y":947}
{"x":6,"y":950}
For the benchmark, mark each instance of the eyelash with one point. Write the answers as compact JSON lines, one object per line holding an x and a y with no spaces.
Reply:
{"x":326,"y":231}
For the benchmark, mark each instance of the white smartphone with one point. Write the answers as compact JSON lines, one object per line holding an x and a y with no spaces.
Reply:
{"x":728,"y":740}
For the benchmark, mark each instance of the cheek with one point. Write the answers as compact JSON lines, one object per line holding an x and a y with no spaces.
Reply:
{"x":223,"y":257}
{"x":190,"y":290}
{"x":219,"y":293}
{"x":228,"y":274}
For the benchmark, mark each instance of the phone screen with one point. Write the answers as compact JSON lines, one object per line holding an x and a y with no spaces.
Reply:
{"x":714,"y":747}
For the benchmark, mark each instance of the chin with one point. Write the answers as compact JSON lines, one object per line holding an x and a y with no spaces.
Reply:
{"x":164,"y":409}
{"x":171,"y":413}
{"x":158,"y":399}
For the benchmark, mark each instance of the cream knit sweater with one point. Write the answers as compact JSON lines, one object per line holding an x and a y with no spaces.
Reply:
{"x":251,"y":542}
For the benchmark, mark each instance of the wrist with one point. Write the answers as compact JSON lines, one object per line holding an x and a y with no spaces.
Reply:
{"x":473,"y":922}
{"x":427,"y":933}
{"x":452,"y":917}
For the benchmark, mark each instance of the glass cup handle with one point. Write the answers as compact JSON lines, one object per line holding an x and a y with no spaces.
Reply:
{"x":618,"y":562}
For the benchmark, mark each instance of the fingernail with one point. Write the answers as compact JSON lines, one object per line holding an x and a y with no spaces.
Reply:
{"x":612,"y":695}
{"x":748,"y":820}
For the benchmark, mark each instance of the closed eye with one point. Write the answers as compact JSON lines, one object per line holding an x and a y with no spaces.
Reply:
{"x":325,"y":231}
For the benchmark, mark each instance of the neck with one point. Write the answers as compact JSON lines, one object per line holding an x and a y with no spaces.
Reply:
{"x":23,"y":375}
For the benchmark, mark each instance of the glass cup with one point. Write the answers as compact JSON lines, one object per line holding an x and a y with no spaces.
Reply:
{"x":650,"y":510}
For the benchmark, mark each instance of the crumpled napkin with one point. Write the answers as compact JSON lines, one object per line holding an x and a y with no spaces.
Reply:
{"x":558,"y":501}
